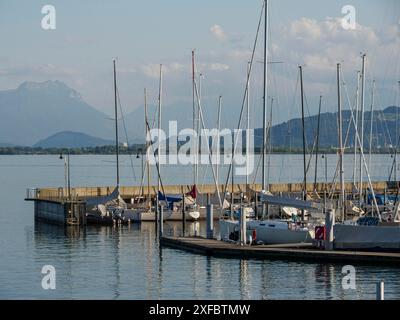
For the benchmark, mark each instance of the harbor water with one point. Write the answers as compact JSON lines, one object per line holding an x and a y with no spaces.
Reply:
{"x":127,"y":263}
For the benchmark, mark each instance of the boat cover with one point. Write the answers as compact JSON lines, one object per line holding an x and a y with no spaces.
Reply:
{"x":288,"y":202}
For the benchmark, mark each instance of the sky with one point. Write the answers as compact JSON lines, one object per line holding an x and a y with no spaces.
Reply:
{"x":141,"y":34}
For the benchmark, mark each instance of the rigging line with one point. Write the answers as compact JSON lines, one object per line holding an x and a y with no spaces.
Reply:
{"x":154,"y":154}
{"x":208,"y":145}
{"x":378,"y":102}
{"x":295,"y":94}
{"x":363,"y":157}
{"x":126,"y":134}
{"x":259,"y":159}
{"x":212,"y":153}
{"x":352,"y":109}
{"x":244,"y":98}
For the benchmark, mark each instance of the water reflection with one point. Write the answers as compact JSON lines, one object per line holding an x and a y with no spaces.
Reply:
{"x":126,"y":262}
{"x":244,"y":279}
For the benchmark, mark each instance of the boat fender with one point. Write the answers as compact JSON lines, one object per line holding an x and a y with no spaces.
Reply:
{"x":254,"y":235}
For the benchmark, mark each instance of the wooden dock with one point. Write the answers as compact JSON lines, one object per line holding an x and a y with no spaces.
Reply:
{"x":295,"y":252}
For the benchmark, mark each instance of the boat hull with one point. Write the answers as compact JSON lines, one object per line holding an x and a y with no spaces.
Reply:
{"x":266,"y":233}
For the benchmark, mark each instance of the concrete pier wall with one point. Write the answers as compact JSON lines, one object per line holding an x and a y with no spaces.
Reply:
{"x":60,"y":212}
{"x":132,"y":191}
{"x":53,"y":212}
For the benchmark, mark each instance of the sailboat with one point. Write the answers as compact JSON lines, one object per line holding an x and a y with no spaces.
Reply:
{"x":190,"y":203}
{"x":146,"y":212}
{"x":111,"y":209}
{"x":268,"y":231}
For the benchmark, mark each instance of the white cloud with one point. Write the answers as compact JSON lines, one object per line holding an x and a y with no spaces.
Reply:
{"x":152,"y":70}
{"x":39,"y":70}
{"x":320,"y":45}
{"x":218,"y":67}
{"x":218,"y":32}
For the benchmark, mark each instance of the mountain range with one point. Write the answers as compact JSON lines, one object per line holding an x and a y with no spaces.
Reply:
{"x":51,"y":114}
{"x":69,"y":139}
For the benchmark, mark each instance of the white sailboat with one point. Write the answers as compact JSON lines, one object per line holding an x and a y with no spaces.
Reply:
{"x":111,"y":209}
{"x":268,"y":231}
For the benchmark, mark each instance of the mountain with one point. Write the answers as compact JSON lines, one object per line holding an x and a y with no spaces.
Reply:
{"x":34,"y":111}
{"x":69,"y":139}
{"x":290,"y":133}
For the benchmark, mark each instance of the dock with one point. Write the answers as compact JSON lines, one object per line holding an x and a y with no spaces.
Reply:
{"x":67,"y":206}
{"x":293,"y":252}
{"x":128,"y":192}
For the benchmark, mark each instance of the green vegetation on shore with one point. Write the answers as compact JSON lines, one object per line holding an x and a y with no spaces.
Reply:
{"x":139,"y":149}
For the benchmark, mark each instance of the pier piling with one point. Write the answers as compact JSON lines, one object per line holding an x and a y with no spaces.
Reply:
{"x":380,"y":291}
{"x":329,"y":224}
{"x":161,"y":224}
{"x":242,"y":222}
{"x":183,"y":215}
{"x":210,"y":219}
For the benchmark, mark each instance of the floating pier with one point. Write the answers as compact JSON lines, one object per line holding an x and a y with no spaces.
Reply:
{"x":299,"y":252}
{"x":61,"y":210}
{"x":63,"y":206}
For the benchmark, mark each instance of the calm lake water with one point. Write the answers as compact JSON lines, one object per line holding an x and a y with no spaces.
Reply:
{"x":127,"y":263}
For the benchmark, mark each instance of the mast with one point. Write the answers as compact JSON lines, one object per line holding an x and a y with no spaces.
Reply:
{"x":355,"y":129}
{"x":198,"y":131}
{"x":362,"y":124}
{"x":159,"y":134}
{"x":304,"y":136}
{"x":395,"y":150}
{"x":265,"y":94}
{"x":269,"y":143}
{"x":194,"y":115}
{"x":147,"y":144}
{"x":317,"y":147}
{"x":371,"y":124}
{"x":116,"y":123}
{"x":248,"y":118}
{"x":341,"y":150}
{"x":218,"y":138}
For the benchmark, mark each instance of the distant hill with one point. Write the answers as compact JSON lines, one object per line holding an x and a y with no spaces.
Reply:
{"x":69,"y":139}
{"x":290,"y":133}
{"x":34,"y":111}
{"x":6,"y":145}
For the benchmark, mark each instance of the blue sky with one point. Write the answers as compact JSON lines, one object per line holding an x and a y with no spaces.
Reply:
{"x":143,"y":34}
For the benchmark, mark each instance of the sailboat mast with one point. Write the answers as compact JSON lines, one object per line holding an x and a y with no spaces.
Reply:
{"x":355,"y":129}
{"x":304,"y":134}
{"x":317,"y":144}
{"x":341,"y":150}
{"x":265,"y":94}
{"x":218,"y":138}
{"x":146,"y":131}
{"x":116,"y":122}
{"x":194,"y":114}
{"x":362,"y":124}
{"x":248,"y":118}
{"x":159,"y":133}
{"x":371,"y":124}
{"x":198,"y":131}
{"x":395,"y":150}
{"x":269,"y":142}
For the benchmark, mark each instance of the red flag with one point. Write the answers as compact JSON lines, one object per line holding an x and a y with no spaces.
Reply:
{"x":193,"y":192}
